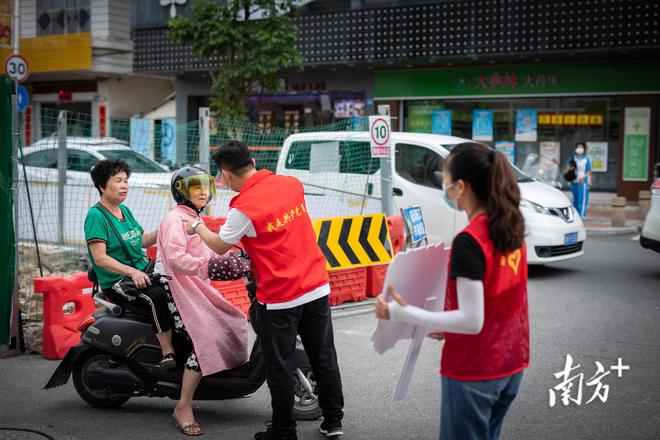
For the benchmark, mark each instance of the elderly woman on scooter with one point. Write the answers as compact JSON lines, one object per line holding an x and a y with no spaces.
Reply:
{"x":114,"y":244}
{"x":213,"y":330}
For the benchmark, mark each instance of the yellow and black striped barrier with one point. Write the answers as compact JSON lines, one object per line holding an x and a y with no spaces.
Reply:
{"x":357,"y":241}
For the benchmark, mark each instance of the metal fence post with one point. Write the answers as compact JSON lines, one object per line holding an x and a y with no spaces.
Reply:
{"x":386,"y":195}
{"x":204,"y":137}
{"x":61,"y":172}
{"x":386,"y":186}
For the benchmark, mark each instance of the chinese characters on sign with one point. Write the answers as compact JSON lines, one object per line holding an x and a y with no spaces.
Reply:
{"x":636,"y":144}
{"x":511,"y":80}
{"x":414,"y":222}
{"x":570,"y":389}
{"x":553,"y":119}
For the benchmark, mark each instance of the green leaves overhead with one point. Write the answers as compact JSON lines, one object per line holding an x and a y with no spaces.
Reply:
{"x":251,"y":51}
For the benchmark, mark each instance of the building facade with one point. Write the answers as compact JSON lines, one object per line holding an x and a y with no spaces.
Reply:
{"x":531,"y":78}
{"x":80,"y":57}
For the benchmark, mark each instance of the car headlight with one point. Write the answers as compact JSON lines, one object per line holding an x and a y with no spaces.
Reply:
{"x":534,"y":207}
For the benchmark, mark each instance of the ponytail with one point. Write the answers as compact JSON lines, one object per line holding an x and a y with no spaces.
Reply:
{"x":506,"y":223}
{"x":492,"y":180}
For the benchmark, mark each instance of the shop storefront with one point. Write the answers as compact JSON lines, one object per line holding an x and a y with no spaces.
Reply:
{"x":537,"y":113}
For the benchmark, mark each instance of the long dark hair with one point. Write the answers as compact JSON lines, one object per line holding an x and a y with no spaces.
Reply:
{"x":492,"y":180}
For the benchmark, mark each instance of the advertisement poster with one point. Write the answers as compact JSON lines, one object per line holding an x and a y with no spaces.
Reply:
{"x":636,"y":144}
{"x":549,"y":152}
{"x":597,"y":152}
{"x":508,"y":148}
{"x":482,"y":125}
{"x":142,"y":136}
{"x":441,"y":122}
{"x":526,"y":125}
{"x":168,"y":140}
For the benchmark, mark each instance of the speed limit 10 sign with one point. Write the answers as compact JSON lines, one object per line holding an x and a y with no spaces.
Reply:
{"x":17,"y":68}
{"x":379,"y":132}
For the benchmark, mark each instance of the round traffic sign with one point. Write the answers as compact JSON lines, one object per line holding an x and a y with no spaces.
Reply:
{"x":17,"y":68}
{"x":380,"y":132}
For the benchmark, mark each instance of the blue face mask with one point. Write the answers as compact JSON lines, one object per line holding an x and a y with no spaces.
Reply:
{"x":451,"y":202}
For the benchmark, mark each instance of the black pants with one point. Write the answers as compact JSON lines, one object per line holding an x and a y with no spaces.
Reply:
{"x":152,"y":300}
{"x":277,"y":330}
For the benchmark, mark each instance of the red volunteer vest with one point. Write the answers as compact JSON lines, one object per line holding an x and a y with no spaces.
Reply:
{"x":502,"y":347}
{"x":286,"y":260}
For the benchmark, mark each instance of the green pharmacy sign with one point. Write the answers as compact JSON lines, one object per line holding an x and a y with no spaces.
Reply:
{"x":636,"y":144}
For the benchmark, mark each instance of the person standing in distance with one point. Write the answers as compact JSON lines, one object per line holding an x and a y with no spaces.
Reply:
{"x":269,"y":216}
{"x":485,"y":320}
{"x":580,"y":186}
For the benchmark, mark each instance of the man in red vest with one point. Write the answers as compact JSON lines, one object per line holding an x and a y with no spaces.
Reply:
{"x":269,"y":216}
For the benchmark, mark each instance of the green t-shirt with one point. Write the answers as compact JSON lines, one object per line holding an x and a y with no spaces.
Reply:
{"x":98,"y":228}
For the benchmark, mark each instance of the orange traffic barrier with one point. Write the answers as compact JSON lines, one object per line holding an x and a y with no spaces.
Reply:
{"x":348,"y":285}
{"x":376,"y":279}
{"x":152,"y":252}
{"x":235,"y":293}
{"x":395,"y":225}
{"x":61,"y":329}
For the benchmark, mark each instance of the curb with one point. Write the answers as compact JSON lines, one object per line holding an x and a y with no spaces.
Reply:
{"x":612,"y":231}
{"x":347,"y":310}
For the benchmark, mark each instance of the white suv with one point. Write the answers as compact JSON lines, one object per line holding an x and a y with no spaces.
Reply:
{"x":650,"y":238}
{"x":341,"y":178}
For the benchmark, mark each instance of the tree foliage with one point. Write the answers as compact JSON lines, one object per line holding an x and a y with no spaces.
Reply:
{"x":252,"y":39}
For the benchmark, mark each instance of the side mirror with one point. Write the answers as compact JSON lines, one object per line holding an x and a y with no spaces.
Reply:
{"x":437,"y":179}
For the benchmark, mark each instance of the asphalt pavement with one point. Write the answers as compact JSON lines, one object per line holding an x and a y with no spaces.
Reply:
{"x":599,"y":308}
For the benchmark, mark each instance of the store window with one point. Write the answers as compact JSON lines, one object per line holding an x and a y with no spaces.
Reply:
{"x":56,"y":17}
{"x":554,"y":126}
{"x":417,"y":164}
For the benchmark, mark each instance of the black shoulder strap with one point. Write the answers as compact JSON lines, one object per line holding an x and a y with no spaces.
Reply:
{"x":121,"y":240}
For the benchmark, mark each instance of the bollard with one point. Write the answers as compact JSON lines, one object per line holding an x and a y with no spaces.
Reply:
{"x":619,"y":211}
{"x":644,"y":204}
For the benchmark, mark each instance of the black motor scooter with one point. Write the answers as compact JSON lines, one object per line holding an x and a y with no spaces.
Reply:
{"x":119,"y":358}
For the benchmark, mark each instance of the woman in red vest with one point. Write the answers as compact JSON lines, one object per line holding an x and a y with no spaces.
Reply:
{"x":485,"y":323}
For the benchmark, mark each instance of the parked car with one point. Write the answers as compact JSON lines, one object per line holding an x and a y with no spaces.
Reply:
{"x":341,"y":178}
{"x":40,"y":160}
{"x":149,"y":196}
{"x":650,"y":238}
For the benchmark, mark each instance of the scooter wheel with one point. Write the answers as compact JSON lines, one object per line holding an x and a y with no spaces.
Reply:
{"x":305,"y":405}
{"x":96,"y":398}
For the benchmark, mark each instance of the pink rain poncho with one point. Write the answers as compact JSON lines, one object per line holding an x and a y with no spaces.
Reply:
{"x":218,"y":330}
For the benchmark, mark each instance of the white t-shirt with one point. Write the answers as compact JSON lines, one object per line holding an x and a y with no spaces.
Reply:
{"x":239,"y":225}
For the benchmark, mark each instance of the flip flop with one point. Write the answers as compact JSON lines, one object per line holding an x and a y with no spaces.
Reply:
{"x":168,"y":362}
{"x":189,"y":427}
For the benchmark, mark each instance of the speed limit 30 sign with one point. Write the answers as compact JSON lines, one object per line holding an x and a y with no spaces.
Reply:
{"x":17,"y":68}
{"x":379,"y":132}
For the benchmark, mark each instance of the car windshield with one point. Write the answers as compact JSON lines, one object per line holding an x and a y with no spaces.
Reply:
{"x":520,"y":176}
{"x":137,"y":162}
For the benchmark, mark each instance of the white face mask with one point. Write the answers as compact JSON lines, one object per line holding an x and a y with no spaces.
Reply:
{"x":579,"y":151}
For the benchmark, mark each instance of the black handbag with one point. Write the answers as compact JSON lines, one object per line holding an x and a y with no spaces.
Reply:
{"x":570,"y":175}
{"x":93,"y":277}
